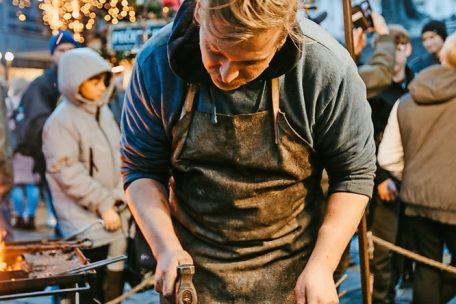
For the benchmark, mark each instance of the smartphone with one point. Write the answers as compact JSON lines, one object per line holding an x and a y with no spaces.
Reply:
{"x":362,"y":15}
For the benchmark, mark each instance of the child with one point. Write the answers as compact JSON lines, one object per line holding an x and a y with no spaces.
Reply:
{"x":81,"y":146}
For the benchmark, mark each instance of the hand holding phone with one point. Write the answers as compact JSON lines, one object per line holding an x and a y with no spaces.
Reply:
{"x":362,"y":15}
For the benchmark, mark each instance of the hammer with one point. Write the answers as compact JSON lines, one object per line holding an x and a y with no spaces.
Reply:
{"x":185,"y":290}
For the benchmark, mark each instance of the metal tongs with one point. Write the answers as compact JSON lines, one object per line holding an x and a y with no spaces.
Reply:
{"x":94,"y":265}
{"x":82,"y":230}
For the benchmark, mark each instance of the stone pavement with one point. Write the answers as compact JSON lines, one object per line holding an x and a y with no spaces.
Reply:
{"x":352,"y":285}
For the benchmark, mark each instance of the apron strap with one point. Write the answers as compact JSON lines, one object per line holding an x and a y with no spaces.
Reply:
{"x":189,"y":99}
{"x":275,"y":107}
{"x":192,"y":89}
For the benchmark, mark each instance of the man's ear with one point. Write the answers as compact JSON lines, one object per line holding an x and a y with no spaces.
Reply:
{"x":196,"y":14}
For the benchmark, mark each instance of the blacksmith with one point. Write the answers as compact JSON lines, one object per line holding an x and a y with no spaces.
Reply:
{"x":233,"y":111}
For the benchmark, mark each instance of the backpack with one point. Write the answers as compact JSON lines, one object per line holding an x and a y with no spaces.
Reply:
{"x":18,"y":134}
{"x":41,"y":94}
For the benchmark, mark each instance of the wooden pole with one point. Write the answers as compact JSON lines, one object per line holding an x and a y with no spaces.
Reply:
{"x":348,"y":25}
{"x":362,"y":229}
{"x":364,"y":261}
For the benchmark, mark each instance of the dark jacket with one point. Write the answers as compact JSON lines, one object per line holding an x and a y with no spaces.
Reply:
{"x":39,"y":100}
{"x":322,"y":96}
{"x":426,"y":122}
{"x":381,"y":106}
{"x":420,"y":63}
{"x":6,"y":153}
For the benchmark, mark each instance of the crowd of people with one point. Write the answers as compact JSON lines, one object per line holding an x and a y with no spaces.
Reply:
{"x":232,"y":113}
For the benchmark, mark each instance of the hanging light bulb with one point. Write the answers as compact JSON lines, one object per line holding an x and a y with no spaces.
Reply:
{"x":78,"y":15}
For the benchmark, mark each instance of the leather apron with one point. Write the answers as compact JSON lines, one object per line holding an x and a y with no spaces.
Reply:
{"x":246,"y":202}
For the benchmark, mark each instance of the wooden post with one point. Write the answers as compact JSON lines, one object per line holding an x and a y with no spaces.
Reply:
{"x":362,"y":229}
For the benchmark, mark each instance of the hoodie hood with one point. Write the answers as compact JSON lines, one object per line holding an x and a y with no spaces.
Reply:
{"x":434,"y":85}
{"x":184,"y":43}
{"x":75,"y":67}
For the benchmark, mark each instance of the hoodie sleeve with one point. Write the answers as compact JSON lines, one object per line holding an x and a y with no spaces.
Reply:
{"x":145,"y":148}
{"x":377,"y":74}
{"x":344,"y":137}
{"x":61,"y":149}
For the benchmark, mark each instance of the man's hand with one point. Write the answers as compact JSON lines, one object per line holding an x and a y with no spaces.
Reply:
{"x":315,"y":285}
{"x":111,"y":220}
{"x":166,"y":272}
{"x":387,"y":190}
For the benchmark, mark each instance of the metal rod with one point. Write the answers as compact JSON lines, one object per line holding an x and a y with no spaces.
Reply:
{"x":362,"y":228}
{"x":54,"y":245}
{"x":84,"y":229}
{"x":341,"y":280}
{"x":94,"y":265}
{"x":42,"y":293}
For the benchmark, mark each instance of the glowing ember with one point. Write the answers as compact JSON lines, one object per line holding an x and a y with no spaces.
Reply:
{"x":2,"y":252}
{"x":8,"y":264}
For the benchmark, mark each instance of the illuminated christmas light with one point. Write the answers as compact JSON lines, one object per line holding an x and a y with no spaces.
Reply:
{"x":80,"y":16}
{"x":22,"y":17}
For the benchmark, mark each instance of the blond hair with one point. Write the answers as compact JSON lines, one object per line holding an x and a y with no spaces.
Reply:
{"x":240,"y":20}
{"x":449,"y":51}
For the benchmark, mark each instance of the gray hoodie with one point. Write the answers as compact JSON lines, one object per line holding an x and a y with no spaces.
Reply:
{"x":426,"y":121}
{"x":81,"y":146}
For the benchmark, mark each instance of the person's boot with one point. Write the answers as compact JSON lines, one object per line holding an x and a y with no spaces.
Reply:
{"x":114,"y":284}
{"x":30,"y":223}
{"x":19,"y":222}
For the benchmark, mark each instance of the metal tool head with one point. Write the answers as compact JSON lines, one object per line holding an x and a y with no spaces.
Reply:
{"x":185,"y":290}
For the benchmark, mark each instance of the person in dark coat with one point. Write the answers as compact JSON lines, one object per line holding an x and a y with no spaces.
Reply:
{"x":433,"y":36}
{"x":6,"y":169}
{"x":38,"y":102}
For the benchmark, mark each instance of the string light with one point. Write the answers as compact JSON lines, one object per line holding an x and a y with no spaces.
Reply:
{"x":21,"y":16}
{"x":81,"y":15}
{"x":78,"y":15}
{"x":21,"y":4}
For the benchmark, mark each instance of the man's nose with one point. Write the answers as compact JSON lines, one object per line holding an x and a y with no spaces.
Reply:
{"x":228,"y":72}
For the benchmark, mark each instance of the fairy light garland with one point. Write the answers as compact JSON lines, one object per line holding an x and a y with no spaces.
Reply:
{"x":80,"y":15}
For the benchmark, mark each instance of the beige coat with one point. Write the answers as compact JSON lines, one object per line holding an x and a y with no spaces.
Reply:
{"x":81,"y":145}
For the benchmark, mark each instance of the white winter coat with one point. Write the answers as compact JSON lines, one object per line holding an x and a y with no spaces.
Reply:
{"x":81,"y":146}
